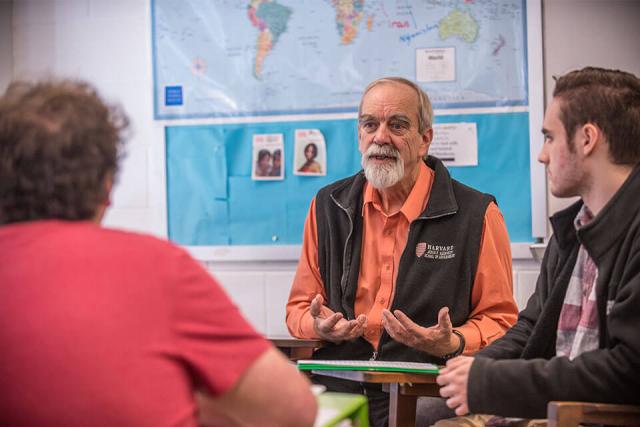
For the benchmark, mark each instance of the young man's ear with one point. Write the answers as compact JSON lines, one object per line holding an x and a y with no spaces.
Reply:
{"x":590,"y":136}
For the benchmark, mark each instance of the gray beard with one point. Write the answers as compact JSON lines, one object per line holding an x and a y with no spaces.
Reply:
{"x":386,"y":175}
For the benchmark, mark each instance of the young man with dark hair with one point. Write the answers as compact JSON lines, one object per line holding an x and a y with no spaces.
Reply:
{"x":104,"y":327}
{"x":577,"y":339}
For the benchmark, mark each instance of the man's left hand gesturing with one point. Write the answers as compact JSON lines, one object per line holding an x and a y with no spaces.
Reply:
{"x":438,"y":340}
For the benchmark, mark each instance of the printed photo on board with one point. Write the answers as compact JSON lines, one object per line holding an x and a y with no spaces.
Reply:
{"x":268,"y":157}
{"x":310,"y":153}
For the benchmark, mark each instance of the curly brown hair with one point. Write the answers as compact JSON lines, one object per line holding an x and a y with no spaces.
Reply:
{"x":59,"y":142}
{"x":609,"y":99}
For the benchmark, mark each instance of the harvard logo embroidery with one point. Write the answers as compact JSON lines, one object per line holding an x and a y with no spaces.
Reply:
{"x":430,"y":251}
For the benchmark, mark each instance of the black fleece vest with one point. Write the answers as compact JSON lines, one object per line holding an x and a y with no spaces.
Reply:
{"x":437,"y":267}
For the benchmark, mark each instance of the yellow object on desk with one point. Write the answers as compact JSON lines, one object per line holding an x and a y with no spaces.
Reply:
{"x":334,"y":408}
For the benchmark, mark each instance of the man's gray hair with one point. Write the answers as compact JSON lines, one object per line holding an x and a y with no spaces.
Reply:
{"x":425,"y":110}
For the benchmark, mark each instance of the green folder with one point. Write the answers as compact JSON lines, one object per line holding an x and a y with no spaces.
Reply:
{"x":367,"y":365}
{"x":333,"y":408}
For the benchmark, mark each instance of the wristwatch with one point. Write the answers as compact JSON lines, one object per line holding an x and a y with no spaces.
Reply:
{"x":458,"y":351}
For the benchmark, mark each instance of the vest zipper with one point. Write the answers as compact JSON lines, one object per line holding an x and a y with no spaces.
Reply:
{"x":374,"y":356}
{"x":343,"y":279}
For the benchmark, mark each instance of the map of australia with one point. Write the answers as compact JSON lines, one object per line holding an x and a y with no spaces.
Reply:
{"x":459,"y":24}
{"x":273,"y":57}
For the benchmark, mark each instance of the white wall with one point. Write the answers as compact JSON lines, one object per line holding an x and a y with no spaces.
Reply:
{"x":6,"y":44}
{"x":109,"y":44}
{"x":578,"y":33}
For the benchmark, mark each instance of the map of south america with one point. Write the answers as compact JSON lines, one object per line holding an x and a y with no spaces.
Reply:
{"x":270,"y":18}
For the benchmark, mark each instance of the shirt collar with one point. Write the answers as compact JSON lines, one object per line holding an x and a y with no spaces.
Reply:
{"x":583,"y":217}
{"x":416,"y":201}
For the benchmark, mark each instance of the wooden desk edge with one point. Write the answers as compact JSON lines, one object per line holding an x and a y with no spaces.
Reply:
{"x":294,"y":342}
{"x":380,"y":377}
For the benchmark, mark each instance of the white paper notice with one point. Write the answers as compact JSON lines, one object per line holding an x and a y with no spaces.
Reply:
{"x":436,"y":65}
{"x":456,"y":144}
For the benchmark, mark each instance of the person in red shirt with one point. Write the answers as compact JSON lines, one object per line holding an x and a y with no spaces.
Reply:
{"x":400,"y":261}
{"x":103,"y":327}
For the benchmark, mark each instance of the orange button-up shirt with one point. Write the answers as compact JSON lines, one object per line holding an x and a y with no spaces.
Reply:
{"x":385,"y":237}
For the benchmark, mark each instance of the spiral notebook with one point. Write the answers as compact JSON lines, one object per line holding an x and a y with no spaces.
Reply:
{"x":367,"y":365}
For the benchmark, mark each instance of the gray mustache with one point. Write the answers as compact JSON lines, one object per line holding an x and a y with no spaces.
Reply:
{"x":382,"y":150}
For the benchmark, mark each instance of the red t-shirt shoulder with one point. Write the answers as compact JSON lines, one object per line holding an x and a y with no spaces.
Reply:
{"x":112,"y":327}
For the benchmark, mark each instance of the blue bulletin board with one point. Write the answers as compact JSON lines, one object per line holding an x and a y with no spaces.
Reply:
{"x":217,"y":86}
{"x":212,"y":199}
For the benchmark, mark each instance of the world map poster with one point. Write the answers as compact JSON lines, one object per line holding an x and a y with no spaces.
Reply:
{"x":274,"y":57}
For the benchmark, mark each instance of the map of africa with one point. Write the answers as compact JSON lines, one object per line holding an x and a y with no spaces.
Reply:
{"x":268,"y":57}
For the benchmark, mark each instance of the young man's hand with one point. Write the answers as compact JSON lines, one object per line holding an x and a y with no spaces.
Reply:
{"x":453,"y":381}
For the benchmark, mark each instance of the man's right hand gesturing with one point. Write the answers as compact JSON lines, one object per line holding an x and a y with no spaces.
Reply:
{"x":332,"y":326}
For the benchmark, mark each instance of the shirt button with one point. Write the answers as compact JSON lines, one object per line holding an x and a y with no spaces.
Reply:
{"x":381,"y":300}
{"x":388,"y":267}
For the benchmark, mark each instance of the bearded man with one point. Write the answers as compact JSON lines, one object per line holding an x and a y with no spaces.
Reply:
{"x":400,"y":261}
